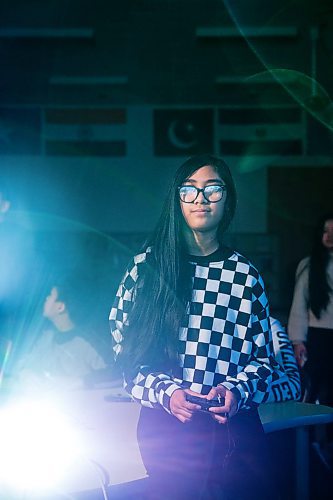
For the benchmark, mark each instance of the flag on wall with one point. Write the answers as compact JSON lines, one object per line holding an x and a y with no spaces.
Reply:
{"x":20,"y":131}
{"x":263,"y":132}
{"x":183,"y":132}
{"x":85,"y":131}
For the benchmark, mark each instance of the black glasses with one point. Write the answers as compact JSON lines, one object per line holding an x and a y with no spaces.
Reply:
{"x":213,"y":193}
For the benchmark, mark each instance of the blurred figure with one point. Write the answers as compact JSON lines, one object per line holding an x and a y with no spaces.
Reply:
{"x":63,"y":355}
{"x":310,"y":328}
{"x":310,"y":325}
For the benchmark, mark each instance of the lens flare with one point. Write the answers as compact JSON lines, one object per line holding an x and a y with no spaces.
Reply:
{"x":38,"y":446}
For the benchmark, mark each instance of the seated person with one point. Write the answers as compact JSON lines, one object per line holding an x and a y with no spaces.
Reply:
{"x":289,"y":387}
{"x":63,"y":355}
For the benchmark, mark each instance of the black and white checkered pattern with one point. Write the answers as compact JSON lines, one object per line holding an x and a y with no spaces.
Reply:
{"x":226,"y":338}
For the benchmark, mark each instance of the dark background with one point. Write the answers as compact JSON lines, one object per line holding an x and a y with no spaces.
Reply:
{"x":101,"y":101}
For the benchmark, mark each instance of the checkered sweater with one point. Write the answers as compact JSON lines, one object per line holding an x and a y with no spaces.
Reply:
{"x":226,"y":338}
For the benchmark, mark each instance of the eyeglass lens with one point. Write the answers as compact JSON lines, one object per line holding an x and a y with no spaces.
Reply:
{"x":188,"y":194}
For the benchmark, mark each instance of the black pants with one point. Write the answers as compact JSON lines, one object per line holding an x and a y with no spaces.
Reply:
{"x":319,"y":366}
{"x":319,"y":372}
{"x":203,"y":459}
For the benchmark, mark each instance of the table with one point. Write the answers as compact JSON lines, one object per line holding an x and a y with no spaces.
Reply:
{"x":108,"y":421}
{"x":293,"y":414}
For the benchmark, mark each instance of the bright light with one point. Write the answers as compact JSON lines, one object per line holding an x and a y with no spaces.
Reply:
{"x":38,"y":446}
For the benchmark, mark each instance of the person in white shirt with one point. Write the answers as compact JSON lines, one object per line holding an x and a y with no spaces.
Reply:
{"x":310,"y":325}
{"x":62,"y":354}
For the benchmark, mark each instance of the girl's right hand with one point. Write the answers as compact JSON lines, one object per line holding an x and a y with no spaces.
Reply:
{"x":300,"y":354}
{"x":180,"y":408}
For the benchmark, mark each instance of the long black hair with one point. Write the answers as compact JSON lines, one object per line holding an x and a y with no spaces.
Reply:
{"x":163,"y":289}
{"x":319,"y":288}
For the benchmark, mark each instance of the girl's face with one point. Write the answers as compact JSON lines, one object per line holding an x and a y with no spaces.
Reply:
{"x":202,"y":215}
{"x":327,"y":238}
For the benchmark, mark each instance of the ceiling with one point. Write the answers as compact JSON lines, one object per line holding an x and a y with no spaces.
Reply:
{"x":164,"y":52}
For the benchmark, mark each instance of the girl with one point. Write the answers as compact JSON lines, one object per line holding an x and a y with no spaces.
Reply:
{"x":191,"y":318}
{"x":310,"y":325}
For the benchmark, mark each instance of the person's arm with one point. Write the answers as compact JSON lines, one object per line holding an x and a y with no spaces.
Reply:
{"x":93,"y":359}
{"x":288,"y":386}
{"x":251,"y":385}
{"x":148,"y":387}
{"x":298,"y":317}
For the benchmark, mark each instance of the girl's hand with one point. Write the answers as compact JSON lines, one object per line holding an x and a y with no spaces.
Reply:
{"x":300,"y":354}
{"x":230,"y":404}
{"x":180,"y":408}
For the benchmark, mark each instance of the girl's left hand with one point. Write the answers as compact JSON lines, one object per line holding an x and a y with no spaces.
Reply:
{"x":230,"y":404}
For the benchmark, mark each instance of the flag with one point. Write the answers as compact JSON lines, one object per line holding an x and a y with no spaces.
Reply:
{"x":264,"y":132}
{"x":20,"y":131}
{"x":183,"y":132}
{"x":85,"y":132}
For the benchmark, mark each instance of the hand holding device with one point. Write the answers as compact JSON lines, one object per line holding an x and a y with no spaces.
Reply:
{"x":205,"y":404}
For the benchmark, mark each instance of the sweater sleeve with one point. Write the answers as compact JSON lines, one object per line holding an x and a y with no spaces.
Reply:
{"x":150,"y":388}
{"x":298,"y":317}
{"x":252,"y":384}
{"x":288,"y":386}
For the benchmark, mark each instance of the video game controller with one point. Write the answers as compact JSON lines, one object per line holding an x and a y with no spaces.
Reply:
{"x":205,"y":404}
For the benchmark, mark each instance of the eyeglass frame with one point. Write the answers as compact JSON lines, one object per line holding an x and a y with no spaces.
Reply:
{"x":202,"y":190}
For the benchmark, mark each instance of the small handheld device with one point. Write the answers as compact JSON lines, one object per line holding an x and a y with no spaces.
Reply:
{"x":205,"y":404}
